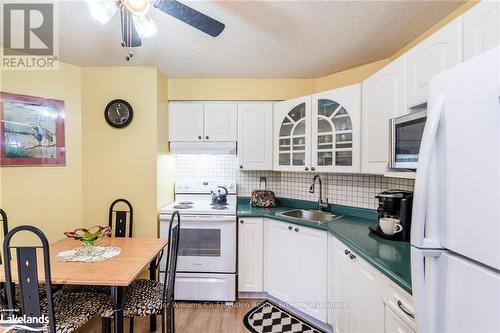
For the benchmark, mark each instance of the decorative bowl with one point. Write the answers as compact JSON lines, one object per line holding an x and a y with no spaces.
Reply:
{"x":89,"y":237}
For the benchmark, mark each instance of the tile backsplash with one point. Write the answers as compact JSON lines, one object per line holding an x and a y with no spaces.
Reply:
{"x":345,"y":189}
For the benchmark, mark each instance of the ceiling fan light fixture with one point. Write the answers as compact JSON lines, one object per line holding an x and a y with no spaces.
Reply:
{"x":137,"y":7}
{"x":102,"y":10}
{"x":144,"y":25}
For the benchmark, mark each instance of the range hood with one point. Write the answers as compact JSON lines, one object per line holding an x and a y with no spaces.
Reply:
{"x":210,"y":148}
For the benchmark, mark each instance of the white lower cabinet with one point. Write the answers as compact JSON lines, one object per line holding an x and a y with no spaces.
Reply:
{"x":315,"y":273}
{"x":394,"y":324}
{"x":250,"y":254}
{"x":400,"y":303}
{"x":357,"y":304}
{"x":295,"y":268}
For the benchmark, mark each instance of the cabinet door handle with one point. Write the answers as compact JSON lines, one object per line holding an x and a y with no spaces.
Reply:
{"x":352,"y":256}
{"x":241,"y":166}
{"x":402,"y":307}
{"x":241,"y":221}
{"x":199,"y":137}
{"x":296,"y":229}
{"x":347,"y":252}
{"x":306,"y":168}
{"x":313,"y":168}
{"x":206,"y":137}
{"x":289,"y":227}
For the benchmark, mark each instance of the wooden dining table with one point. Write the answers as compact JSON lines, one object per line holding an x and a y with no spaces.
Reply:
{"x":136,"y":255}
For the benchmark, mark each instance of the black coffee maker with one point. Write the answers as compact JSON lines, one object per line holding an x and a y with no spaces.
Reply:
{"x":396,"y":204}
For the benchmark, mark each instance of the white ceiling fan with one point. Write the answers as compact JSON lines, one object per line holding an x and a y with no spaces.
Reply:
{"x":136,"y":23}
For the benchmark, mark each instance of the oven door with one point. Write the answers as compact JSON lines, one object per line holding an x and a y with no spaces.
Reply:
{"x":206,"y":244}
{"x":406,"y":137}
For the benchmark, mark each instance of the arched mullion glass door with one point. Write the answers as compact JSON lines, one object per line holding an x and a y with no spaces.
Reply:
{"x":334,"y":142}
{"x":292,"y":138}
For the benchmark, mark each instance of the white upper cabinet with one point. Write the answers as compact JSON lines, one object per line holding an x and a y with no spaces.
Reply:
{"x":336,"y":130}
{"x":481,"y":25}
{"x":185,"y":121}
{"x":199,"y":121}
{"x":440,"y":51}
{"x":220,"y":121}
{"x":292,"y":134}
{"x":319,"y":132}
{"x":384,"y":97}
{"x":255,"y":136}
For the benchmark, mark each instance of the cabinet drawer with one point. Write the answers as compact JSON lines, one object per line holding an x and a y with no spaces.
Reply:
{"x":394,"y":324}
{"x":399,"y":301}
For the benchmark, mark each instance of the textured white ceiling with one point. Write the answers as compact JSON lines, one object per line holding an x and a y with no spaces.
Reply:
{"x":262,"y":39}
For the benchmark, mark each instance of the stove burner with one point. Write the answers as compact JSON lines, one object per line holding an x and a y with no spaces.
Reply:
{"x":185,"y":203}
{"x":182,"y":206}
{"x":219,"y":204}
{"x":219,"y":207}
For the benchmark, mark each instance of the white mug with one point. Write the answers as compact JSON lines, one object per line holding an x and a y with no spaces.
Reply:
{"x":389,"y":225}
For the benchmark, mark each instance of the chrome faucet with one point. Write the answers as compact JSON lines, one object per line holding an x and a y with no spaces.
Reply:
{"x":322,"y":205}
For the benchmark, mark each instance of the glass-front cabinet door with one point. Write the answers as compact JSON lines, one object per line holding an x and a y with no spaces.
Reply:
{"x":292,"y":128}
{"x":336,"y":130}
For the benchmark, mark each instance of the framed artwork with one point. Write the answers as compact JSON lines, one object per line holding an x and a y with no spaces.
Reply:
{"x":31,"y":131}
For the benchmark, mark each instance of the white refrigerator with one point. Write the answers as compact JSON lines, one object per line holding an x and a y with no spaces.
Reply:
{"x":455,"y":236}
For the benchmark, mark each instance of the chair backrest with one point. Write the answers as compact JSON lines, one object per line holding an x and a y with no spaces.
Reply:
{"x":27,"y":273}
{"x":5,"y":226}
{"x":4,"y":221}
{"x":5,"y":229}
{"x":121,"y":218}
{"x":173,"y":248}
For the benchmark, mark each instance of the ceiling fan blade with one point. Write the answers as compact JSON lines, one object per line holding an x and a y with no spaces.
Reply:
{"x":130,"y":36}
{"x":190,"y":16}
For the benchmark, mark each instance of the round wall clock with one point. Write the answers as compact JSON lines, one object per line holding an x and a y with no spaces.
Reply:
{"x":118,"y":113}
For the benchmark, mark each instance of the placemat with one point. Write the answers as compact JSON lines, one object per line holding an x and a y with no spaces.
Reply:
{"x":89,"y":254}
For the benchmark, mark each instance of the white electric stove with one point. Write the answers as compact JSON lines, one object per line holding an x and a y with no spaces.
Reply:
{"x":206,"y":266}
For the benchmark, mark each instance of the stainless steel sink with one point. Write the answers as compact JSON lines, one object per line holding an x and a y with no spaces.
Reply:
{"x":315,"y":216}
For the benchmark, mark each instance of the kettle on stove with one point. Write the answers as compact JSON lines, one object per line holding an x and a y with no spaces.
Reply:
{"x":219,"y":199}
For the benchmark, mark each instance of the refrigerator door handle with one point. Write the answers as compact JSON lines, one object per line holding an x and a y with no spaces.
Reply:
{"x":422,"y":178}
{"x":421,"y":303}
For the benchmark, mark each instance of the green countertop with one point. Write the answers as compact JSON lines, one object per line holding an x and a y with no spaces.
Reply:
{"x":392,"y":258}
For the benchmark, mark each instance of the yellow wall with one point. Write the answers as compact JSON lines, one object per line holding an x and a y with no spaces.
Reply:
{"x":47,"y":197}
{"x":238,"y":89}
{"x":102,"y":163}
{"x":120,"y":162}
{"x":348,"y":77}
{"x":165,"y":163}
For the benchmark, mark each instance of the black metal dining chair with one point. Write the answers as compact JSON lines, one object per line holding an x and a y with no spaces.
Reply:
{"x":4,"y":221}
{"x":149,"y":297}
{"x":121,"y":219}
{"x":5,"y":229}
{"x":59,"y":312}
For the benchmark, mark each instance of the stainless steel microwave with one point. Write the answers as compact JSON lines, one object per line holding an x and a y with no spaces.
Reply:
{"x":405,"y":138}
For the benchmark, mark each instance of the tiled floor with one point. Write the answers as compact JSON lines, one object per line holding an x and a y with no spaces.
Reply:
{"x":195,"y":318}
